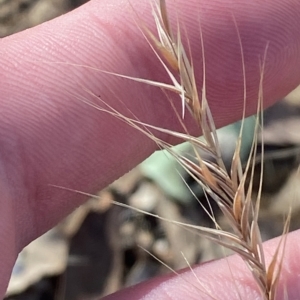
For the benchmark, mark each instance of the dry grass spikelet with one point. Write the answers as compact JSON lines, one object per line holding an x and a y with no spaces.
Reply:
{"x":227,"y":189}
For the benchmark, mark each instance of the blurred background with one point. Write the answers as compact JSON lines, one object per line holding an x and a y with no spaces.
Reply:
{"x":102,"y":247}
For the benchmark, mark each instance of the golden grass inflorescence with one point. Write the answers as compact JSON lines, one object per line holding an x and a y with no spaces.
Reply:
{"x":231,"y":190}
{"x":228,"y":190}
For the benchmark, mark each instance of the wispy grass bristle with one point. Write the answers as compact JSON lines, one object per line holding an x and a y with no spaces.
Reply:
{"x":227,"y":188}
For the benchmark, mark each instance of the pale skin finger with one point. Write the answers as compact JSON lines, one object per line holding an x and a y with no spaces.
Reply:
{"x":226,"y":279}
{"x":48,"y":136}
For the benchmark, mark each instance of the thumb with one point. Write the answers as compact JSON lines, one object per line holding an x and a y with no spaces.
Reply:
{"x":226,"y":279}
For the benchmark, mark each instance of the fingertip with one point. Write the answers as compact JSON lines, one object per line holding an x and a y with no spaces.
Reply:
{"x":228,"y":278}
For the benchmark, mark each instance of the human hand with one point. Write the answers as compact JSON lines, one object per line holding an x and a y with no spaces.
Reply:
{"x":49,"y":137}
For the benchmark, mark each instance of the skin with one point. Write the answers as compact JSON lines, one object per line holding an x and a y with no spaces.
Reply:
{"x":49,"y":137}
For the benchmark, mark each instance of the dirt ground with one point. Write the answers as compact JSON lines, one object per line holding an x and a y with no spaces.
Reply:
{"x":100,"y":248}
{"x":18,"y":15}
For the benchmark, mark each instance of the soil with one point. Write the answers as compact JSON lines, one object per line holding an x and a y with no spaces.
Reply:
{"x":18,"y":15}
